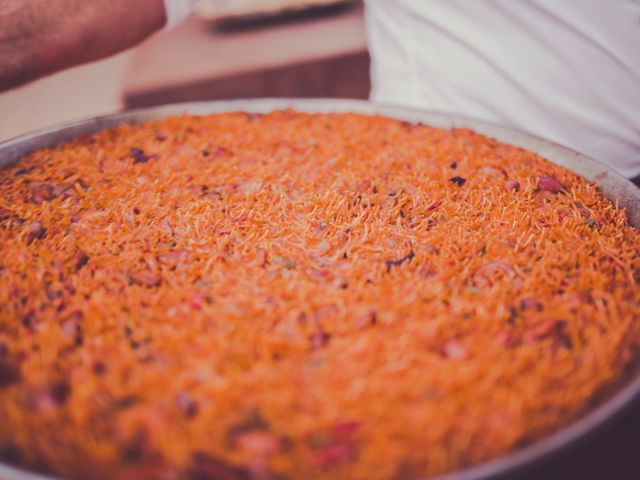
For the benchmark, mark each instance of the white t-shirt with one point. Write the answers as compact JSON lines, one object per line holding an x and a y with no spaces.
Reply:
{"x":565,"y":70}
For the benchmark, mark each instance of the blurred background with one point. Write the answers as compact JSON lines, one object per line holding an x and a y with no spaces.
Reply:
{"x":239,"y":49}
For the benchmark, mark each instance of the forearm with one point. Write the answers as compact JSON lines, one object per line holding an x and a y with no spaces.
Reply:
{"x":38,"y":37}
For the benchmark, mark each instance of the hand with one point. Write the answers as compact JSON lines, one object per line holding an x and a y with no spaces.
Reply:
{"x":39,"y":37}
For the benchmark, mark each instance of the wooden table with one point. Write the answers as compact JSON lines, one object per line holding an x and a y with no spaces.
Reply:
{"x":319,"y":55}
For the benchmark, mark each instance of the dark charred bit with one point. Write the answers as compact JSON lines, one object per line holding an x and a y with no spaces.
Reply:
{"x":139,"y":448}
{"x":397,"y":263}
{"x":530,"y":304}
{"x":128,"y":333}
{"x":9,"y":216}
{"x":458,"y":180}
{"x":36,"y":231}
{"x":319,"y":339}
{"x":10,"y":453}
{"x":454,"y":165}
{"x":53,"y":294}
{"x":99,"y":367}
{"x":345,"y":255}
{"x":204,"y":466}
{"x":21,"y":171}
{"x":205,"y":153}
{"x":591,"y":223}
{"x":60,"y":392}
{"x":563,"y":338}
{"x":138,"y":155}
{"x":80,"y":259}
{"x":9,"y":373}
{"x":28,"y":319}
{"x":187,"y":404}
{"x":4,"y":214}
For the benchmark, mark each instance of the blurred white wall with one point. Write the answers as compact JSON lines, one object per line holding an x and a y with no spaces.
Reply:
{"x":74,"y":94}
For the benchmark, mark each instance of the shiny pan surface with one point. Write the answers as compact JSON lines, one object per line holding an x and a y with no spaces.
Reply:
{"x":611,"y":184}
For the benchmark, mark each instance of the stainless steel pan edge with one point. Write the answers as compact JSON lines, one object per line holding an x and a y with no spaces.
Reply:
{"x":611,"y":184}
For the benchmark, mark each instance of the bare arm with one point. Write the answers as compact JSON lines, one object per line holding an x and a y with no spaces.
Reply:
{"x":38,"y":37}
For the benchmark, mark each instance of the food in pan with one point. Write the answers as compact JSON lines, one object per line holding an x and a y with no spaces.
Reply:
{"x":299,"y":295}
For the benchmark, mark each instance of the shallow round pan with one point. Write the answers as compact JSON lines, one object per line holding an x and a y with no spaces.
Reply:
{"x":610,"y":183}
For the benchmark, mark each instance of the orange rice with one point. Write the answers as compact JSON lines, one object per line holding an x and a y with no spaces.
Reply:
{"x":301,"y":296}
